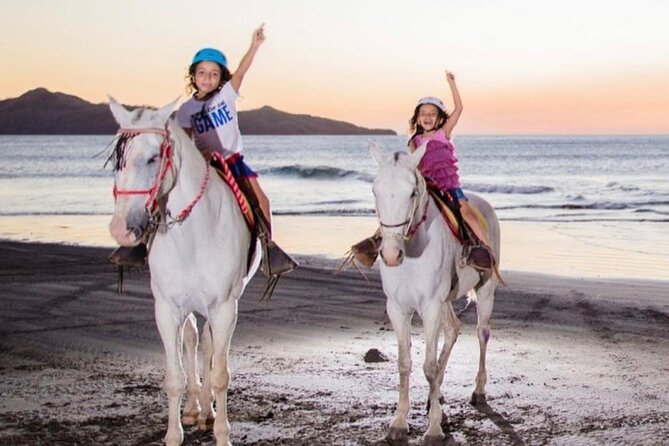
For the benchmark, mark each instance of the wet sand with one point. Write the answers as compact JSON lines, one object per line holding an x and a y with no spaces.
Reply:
{"x":571,"y":361}
{"x":576,"y":250}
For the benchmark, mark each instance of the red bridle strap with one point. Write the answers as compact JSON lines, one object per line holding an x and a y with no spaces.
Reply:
{"x":165,"y":164}
{"x":166,"y":153}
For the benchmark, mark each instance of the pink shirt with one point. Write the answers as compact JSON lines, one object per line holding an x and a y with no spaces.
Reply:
{"x":439,"y":162}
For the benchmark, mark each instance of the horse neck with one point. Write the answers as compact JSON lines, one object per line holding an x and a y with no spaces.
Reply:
{"x":189,"y":165}
{"x":191,"y":169}
{"x":420,"y":210}
{"x":432,"y":229}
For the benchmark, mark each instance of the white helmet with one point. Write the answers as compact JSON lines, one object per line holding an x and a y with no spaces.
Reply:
{"x":432,"y":100}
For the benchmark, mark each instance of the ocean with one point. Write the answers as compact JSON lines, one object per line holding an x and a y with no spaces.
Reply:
{"x":615,"y":187}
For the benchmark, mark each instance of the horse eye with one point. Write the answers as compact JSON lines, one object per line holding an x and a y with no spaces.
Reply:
{"x":152,"y":160}
{"x":413,"y":194}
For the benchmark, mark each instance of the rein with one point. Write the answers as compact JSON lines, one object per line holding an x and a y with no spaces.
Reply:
{"x":166,"y":163}
{"x":421,"y":195}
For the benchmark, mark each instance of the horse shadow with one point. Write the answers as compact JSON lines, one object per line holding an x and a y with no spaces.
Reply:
{"x":481,"y":406}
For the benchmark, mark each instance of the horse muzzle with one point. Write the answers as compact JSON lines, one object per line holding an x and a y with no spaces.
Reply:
{"x":392,"y":257}
{"x":129,"y":229}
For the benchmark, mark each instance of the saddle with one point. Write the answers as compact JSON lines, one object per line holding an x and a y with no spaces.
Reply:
{"x":451,"y":212}
{"x":275,"y":261}
{"x":474,"y":254}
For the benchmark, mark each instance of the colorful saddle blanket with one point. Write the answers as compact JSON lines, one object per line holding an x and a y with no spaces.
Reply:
{"x":449,"y":210}
{"x":226,"y":175}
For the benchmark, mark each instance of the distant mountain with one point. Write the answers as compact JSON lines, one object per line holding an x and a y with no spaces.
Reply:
{"x":270,"y":121}
{"x":41,"y":112}
{"x":44,"y":113}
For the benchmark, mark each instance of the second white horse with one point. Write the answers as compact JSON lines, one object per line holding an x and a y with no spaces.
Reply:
{"x":422,"y":273}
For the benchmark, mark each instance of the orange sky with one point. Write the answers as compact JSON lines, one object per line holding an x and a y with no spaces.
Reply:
{"x":576,"y":67}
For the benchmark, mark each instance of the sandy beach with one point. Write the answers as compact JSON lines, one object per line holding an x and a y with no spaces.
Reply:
{"x":572,"y":361}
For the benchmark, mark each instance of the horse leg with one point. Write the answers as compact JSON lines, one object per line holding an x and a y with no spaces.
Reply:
{"x":432,"y":322}
{"x":451,"y":325}
{"x":223,"y":326}
{"x":401,"y":322}
{"x":484,"y":304}
{"x":205,"y":420}
{"x":193,"y":386}
{"x":170,"y":321}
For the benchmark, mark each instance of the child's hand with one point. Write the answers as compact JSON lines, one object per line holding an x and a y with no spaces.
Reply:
{"x":450,"y":77}
{"x":259,"y":36}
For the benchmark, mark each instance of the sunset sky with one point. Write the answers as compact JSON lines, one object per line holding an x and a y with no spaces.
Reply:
{"x":523,"y":66}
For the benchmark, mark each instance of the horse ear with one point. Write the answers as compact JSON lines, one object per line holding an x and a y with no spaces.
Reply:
{"x":417,"y":154}
{"x":121,"y":115}
{"x":166,"y":111}
{"x":377,"y":153}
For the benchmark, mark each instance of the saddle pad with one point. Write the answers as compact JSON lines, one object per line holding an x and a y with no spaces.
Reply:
{"x":450,"y":218}
{"x":224,"y":172}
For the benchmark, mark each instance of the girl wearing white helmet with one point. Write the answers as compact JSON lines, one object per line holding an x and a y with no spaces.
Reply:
{"x":432,"y":123}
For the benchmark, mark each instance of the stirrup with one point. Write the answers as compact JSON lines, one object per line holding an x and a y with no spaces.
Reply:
{"x":480,"y":258}
{"x":131,"y":256}
{"x":128,"y":257}
{"x":366,"y":251}
{"x":275,"y":262}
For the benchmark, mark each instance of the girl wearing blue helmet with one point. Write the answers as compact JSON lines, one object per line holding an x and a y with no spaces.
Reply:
{"x":210,"y":118}
{"x":210,"y":115}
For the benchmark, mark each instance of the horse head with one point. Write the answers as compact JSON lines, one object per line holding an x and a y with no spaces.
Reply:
{"x":398,"y":191}
{"x":142,"y":161}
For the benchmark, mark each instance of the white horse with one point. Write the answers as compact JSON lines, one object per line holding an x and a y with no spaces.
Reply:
{"x":422,"y":272}
{"x":198,"y":258}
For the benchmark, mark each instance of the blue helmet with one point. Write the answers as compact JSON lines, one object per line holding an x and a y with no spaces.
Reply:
{"x":210,"y":55}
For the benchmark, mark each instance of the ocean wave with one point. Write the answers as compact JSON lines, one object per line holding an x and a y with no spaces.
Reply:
{"x":556,"y":219}
{"x":53,"y":213}
{"x":651,"y":211}
{"x":508,"y":189}
{"x":569,"y":206}
{"x":335,"y":202}
{"x":353,"y":212}
{"x":57,"y":175}
{"x":622,"y":187}
{"x":317,"y":172}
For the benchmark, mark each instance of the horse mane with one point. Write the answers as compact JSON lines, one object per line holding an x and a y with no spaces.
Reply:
{"x":117,"y":156}
{"x":121,"y":142}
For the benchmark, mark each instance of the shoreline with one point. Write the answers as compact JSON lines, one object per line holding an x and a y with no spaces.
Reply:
{"x":569,"y":250}
{"x":82,"y":364}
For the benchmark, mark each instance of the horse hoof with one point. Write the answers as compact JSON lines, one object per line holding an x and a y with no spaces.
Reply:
{"x":433,"y":440}
{"x":206,"y":425}
{"x":477,"y":398}
{"x":189,"y":420}
{"x":397,"y":437}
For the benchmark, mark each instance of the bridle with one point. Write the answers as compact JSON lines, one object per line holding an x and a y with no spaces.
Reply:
{"x":166,"y":164}
{"x":420,"y":195}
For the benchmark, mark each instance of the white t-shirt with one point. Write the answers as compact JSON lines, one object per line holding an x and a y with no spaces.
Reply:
{"x":213,"y":123}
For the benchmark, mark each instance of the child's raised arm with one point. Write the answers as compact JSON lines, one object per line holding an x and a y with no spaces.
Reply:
{"x":457,"y":111}
{"x":247,"y":60}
